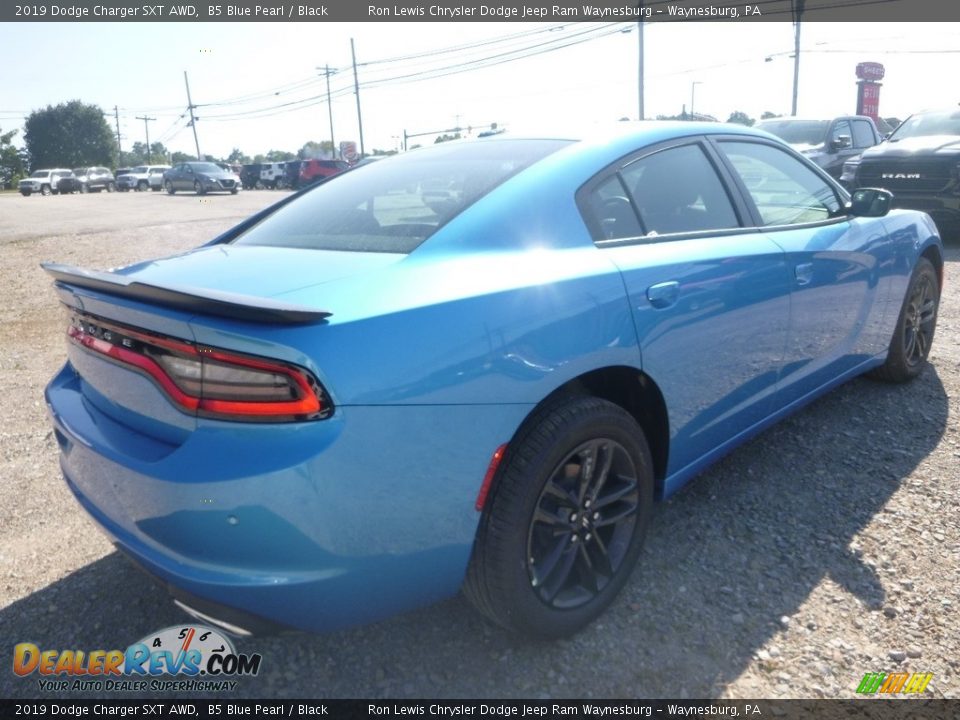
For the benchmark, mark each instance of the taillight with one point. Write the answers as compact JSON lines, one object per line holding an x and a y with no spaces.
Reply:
{"x":207,"y":381}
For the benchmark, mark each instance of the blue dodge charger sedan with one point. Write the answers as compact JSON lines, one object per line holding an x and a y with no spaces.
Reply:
{"x":473,"y":366}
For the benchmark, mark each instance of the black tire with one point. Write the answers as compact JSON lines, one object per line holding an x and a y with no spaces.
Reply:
{"x":168,"y":186}
{"x":45,"y":190}
{"x":84,"y":189}
{"x":111,"y":187}
{"x":558,"y":538}
{"x":143,"y":186}
{"x":198,"y":188}
{"x":25,"y":193}
{"x":234,"y":191}
{"x":915,"y":328}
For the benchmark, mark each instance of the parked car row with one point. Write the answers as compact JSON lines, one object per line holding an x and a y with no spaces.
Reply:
{"x":279,"y":175}
{"x":292,"y":174}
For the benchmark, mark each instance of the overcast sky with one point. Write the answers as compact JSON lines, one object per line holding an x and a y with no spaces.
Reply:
{"x":250,"y":69}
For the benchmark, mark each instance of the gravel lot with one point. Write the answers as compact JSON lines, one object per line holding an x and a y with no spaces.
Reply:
{"x":826,"y":548}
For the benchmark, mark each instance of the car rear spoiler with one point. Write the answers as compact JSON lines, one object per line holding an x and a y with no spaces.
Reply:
{"x":189,"y":299}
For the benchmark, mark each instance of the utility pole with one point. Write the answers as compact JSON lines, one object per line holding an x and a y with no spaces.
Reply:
{"x":193,"y":120}
{"x":693,"y":88}
{"x":356,"y":90}
{"x":640,"y":64}
{"x":797,"y":12}
{"x":328,"y":72}
{"x":146,"y":128}
{"x":116,"y":116}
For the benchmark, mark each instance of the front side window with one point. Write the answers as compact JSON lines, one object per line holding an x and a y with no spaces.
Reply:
{"x":841,"y":129}
{"x":785,"y":191}
{"x":394,"y":205}
{"x":677,"y":190}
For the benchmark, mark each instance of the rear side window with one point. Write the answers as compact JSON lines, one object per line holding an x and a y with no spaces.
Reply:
{"x":785,"y":191}
{"x":863,"y":136}
{"x":677,"y":190}
{"x":394,"y":205}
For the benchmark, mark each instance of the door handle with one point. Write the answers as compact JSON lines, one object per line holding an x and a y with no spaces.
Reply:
{"x":804,"y":273}
{"x":663,"y":295}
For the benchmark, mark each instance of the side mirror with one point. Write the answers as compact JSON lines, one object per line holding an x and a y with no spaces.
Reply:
{"x":870,"y":202}
{"x":840,"y":142}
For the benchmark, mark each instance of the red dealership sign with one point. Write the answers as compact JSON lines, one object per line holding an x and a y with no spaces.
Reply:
{"x":870,"y":71}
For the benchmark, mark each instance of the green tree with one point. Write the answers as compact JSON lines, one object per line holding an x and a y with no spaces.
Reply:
{"x":741,"y":118}
{"x":279,"y":156}
{"x":180,"y":157}
{"x":71,"y":134}
{"x":238,"y":156}
{"x":446,"y":138}
{"x":312,"y":149}
{"x":767,"y":115}
{"x":12,"y":160}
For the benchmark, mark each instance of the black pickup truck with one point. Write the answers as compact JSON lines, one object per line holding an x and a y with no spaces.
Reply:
{"x":920,"y":164}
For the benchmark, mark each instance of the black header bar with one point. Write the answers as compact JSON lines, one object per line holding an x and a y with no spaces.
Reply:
{"x":473,"y":11}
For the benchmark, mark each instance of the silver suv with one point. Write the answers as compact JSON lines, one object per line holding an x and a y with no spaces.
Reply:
{"x":95,"y":179}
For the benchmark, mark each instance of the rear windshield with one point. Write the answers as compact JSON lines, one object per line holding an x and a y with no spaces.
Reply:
{"x":394,"y":205}
{"x":797,"y":132}
{"x":931,"y":123}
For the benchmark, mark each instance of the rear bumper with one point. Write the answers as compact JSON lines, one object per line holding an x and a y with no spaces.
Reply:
{"x":316,"y":525}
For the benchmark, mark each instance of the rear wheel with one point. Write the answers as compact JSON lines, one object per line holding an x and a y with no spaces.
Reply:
{"x":143,"y":186}
{"x":913,"y":334}
{"x":111,"y":187}
{"x":198,"y":188}
{"x":45,"y":190}
{"x":168,"y":186}
{"x":565,"y":523}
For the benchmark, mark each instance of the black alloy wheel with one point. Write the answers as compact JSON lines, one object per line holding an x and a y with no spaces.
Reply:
{"x":916,"y":325}
{"x":565,"y":518}
{"x":583,"y":523}
{"x":920,"y":321}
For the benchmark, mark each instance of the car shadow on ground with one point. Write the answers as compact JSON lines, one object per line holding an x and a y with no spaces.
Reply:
{"x":727,"y":558}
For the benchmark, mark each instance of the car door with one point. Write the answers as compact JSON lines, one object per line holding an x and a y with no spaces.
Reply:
{"x":710,"y":298}
{"x":835,"y":261}
{"x":185,"y":178}
{"x":840,"y":145}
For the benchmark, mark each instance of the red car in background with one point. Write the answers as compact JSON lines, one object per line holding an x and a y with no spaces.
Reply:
{"x":313,"y":170}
